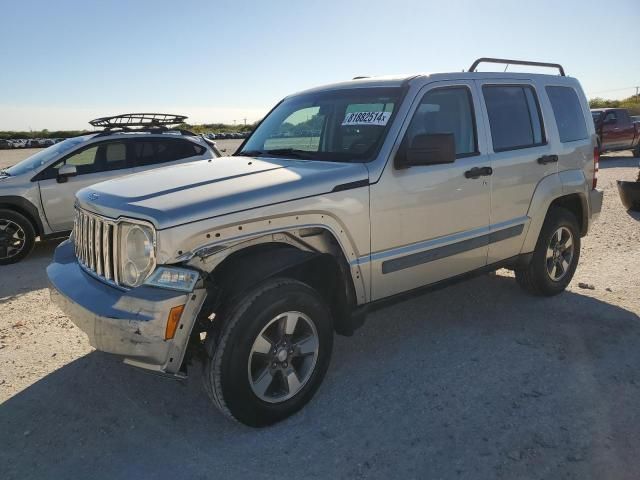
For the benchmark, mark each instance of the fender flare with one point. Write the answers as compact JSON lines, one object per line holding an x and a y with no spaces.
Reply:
{"x":245,"y":269}
{"x":548,"y":190}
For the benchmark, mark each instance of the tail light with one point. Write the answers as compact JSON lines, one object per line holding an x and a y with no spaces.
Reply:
{"x":596,"y":166}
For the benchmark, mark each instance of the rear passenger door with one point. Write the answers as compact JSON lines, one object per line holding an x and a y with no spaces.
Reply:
{"x":156,"y":152}
{"x":520,"y":157}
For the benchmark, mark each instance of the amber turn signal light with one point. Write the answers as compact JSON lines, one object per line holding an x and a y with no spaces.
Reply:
{"x":172,"y":322}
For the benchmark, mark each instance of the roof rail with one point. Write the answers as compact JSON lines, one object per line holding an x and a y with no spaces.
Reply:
{"x":516,"y":62}
{"x":149,"y":120}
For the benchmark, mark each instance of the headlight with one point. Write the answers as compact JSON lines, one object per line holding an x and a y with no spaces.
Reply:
{"x":173,"y":278}
{"x":137,"y":247}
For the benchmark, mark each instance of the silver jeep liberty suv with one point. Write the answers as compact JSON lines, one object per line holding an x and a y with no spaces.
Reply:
{"x":345,"y":196}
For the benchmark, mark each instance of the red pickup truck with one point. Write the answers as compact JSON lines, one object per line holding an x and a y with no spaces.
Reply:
{"x":616,"y":130}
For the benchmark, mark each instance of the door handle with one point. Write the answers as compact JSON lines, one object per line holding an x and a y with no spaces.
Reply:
{"x":543,"y":160}
{"x":477,"y":172}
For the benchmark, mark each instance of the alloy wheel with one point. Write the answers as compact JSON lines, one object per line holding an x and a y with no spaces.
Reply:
{"x":12,"y":238}
{"x":283,"y":357}
{"x":559,"y":254}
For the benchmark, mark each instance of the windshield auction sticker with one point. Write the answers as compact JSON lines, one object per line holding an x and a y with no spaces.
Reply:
{"x":366,"y":118}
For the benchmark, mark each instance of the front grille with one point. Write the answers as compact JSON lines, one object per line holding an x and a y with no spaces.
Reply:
{"x":96,"y":245}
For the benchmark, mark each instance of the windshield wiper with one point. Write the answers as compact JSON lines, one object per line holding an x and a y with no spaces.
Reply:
{"x":278,"y":152}
{"x":289,"y":152}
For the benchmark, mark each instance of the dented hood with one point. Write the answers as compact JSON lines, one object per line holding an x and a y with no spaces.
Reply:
{"x":194,"y":191}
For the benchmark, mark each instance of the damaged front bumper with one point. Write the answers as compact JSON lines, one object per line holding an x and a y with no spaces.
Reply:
{"x":131,"y":324}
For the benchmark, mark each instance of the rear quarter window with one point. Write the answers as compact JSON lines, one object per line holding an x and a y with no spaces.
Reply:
{"x":568,"y":113}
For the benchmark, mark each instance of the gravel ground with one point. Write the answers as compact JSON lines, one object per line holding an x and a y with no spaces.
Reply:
{"x":475,"y":381}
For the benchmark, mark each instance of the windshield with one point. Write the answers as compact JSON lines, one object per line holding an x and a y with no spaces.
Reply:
{"x":44,"y":156}
{"x":340,"y":125}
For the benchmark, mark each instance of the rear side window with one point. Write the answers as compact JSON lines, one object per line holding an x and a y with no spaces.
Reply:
{"x":568,"y":113}
{"x":155,"y":151}
{"x":514,"y":117}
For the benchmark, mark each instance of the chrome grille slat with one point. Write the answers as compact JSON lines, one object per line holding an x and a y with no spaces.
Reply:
{"x":106,"y":250}
{"x":116,"y":254}
{"x":96,"y":245}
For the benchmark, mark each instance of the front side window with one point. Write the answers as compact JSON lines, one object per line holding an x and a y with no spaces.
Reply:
{"x":334,"y":125}
{"x":514,"y":117}
{"x":446,"y":110}
{"x":568,"y":113}
{"x":93,"y":159}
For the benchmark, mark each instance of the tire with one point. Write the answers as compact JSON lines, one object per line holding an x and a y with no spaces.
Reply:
{"x":251,"y":387}
{"x":17,"y":237}
{"x":539,"y":277}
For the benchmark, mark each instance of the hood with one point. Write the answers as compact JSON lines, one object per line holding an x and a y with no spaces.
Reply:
{"x":194,"y":191}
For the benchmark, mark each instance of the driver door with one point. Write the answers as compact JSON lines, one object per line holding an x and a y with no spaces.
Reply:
{"x":430,"y":222}
{"x":94,"y":163}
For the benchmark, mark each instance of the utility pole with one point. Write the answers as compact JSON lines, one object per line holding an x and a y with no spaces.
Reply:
{"x":234,"y":122}
{"x":245,"y":121}
{"x":637,"y":97}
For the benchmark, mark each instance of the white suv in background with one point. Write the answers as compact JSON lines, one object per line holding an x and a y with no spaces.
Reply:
{"x":37,"y":195}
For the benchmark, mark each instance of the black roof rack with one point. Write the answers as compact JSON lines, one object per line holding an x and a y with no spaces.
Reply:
{"x":128,"y":120}
{"x":140,"y":122}
{"x":516,"y":62}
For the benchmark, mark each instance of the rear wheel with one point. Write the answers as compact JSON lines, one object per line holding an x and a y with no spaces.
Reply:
{"x":555,"y":257}
{"x":272,"y":354}
{"x":17,"y":237}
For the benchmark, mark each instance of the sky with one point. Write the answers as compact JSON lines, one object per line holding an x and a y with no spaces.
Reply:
{"x":65,"y":62}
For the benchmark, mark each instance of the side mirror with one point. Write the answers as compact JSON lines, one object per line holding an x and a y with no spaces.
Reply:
{"x":66,"y":171}
{"x":427,"y":149}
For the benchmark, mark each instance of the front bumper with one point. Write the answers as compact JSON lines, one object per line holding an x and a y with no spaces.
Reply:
{"x":131,"y":323}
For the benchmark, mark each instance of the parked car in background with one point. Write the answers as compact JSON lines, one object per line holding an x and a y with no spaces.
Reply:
{"x":635,"y":118}
{"x":5,"y":144}
{"x":37,"y":195}
{"x":616,"y":130}
{"x":250,"y":263}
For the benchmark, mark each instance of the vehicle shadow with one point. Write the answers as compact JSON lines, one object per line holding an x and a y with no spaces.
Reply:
{"x":478,"y":380}
{"x":29,"y":274}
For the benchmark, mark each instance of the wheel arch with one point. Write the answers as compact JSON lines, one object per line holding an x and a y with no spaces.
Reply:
{"x":568,"y":189}
{"x":25,"y":208}
{"x":327,"y":271}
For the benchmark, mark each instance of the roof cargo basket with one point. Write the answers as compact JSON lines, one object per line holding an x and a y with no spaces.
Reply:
{"x":516,"y":62}
{"x":146,"y":120}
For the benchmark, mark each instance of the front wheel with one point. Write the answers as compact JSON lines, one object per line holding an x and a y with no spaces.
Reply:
{"x":17,"y":237}
{"x":556,"y":256}
{"x":272,"y":354}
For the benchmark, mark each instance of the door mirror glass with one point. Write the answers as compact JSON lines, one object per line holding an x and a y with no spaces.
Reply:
{"x":428,"y":149}
{"x":66,"y":171}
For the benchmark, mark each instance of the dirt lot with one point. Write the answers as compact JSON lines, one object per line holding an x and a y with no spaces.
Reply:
{"x":475,"y":381}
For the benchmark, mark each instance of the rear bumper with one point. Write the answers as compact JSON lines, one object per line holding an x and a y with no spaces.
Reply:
{"x":131,"y":323}
{"x":595,"y":203}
